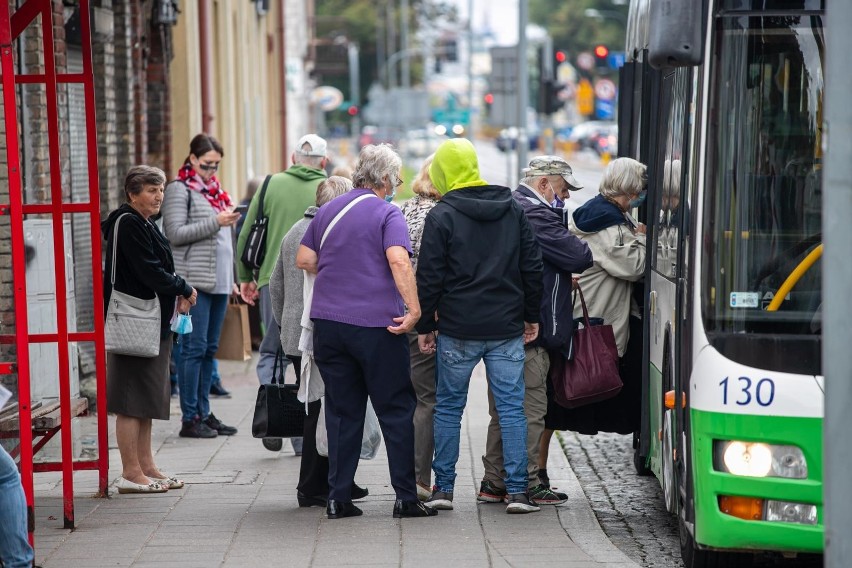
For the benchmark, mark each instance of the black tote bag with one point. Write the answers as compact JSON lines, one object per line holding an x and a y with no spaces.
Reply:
{"x":277,"y":412}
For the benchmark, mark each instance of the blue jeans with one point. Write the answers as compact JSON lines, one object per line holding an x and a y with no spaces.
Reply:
{"x":199,"y":347}
{"x":15,"y":549}
{"x":504,"y":364}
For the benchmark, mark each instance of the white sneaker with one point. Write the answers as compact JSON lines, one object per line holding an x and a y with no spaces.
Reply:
{"x":423,"y":492}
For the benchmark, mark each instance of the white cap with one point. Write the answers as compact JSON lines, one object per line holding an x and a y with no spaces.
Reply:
{"x":318,"y":146}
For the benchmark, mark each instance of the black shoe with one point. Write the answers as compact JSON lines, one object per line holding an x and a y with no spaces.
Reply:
{"x":220,"y":428}
{"x":196,"y":429}
{"x":339,"y":510}
{"x":410,"y":509}
{"x":520,"y":503}
{"x":358,"y":492}
{"x":216,"y":389}
{"x":489,"y":493}
{"x":311,"y":501}
{"x":273,"y":444}
{"x":541,"y":495}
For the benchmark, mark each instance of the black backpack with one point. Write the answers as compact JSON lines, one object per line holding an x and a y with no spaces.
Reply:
{"x":255,"y":249}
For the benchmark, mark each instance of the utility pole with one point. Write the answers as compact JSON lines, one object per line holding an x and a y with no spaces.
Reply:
{"x":523,"y":88}
{"x":470,"y":102}
{"x":837,"y":274}
{"x":548,"y":73}
{"x":403,"y":41}
{"x":354,"y":87}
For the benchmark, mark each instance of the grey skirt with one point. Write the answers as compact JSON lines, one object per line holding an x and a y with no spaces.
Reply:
{"x":139,"y":386}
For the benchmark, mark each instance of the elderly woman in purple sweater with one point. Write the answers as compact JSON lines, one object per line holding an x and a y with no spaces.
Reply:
{"x":358,"y":246}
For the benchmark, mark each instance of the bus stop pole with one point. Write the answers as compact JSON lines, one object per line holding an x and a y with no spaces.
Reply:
{"x":837,"y":271}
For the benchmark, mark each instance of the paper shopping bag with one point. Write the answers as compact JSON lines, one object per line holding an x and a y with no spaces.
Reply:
{"x":235,"y":339}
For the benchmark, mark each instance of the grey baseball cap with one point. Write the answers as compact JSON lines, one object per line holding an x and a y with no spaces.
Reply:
{"x":552,"y":166}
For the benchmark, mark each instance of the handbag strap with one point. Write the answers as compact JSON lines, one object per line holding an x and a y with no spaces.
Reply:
{"x":115,"y":249}
{"x":579,"y":291}
{"x":260,"y":214}
{"x":343,"y":212}
{"x":279,"y":366}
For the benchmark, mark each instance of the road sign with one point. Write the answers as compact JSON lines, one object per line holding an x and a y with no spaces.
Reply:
{"x":585,"y":98}
{"x":585,"y":60}
{"x":327,"y":98}
{"x":615,"y":59}
{"x":604,"y":110}
{"x":605,"y":89}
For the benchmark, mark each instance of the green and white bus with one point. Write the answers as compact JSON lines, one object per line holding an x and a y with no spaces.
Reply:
{"x":723,"y":99}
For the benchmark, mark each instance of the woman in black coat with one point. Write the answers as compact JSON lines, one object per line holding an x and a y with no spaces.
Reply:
{"x":138,"y":387}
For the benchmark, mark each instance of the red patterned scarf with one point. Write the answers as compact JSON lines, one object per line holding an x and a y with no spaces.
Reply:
{"x":218,"y":197}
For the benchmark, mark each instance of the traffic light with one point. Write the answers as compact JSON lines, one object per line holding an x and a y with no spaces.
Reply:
{"x":489,"y":99}
{"x":560,"y":56}
{"x":552,"y":100}
{"x":352,"y":110}
{"x":601,"y":57}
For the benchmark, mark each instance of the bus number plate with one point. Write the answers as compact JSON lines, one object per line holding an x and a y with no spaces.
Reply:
{"x":745,"y":391}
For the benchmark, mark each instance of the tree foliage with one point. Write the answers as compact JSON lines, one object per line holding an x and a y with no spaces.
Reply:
{"x":572,"y":31}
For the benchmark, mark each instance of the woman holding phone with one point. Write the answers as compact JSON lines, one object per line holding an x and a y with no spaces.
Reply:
{"x":198,"y":220}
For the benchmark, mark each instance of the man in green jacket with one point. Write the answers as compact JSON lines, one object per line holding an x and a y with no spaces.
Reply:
{"x":288,"y":195}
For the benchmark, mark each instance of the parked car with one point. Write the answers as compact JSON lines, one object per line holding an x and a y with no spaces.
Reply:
{"x":598,"y":135}
{"x":508,"y":139}
{"x":420,"y":142}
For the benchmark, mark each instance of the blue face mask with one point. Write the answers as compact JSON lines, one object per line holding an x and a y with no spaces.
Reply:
{"x":389,"y":198}
{"x":639,"y":200}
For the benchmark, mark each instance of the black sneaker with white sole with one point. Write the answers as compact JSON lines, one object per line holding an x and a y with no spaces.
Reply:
{"x":490,"y":493}
{"x":440,"y":500}
{"x":519,"y":503}
{"x":541,"y":495}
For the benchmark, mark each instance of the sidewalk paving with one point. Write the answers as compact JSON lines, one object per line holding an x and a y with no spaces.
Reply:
{"x":239,"y":509}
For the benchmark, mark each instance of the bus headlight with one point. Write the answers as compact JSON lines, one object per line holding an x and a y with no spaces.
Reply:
{"x":754,"y":459}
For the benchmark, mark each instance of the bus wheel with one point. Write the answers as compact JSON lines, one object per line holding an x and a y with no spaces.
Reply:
{"x":640,"y":462}
{"x":693,"y":557}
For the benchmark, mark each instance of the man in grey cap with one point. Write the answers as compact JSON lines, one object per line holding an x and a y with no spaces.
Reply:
{"x":285,"y":197}
{"x":546,"y":178}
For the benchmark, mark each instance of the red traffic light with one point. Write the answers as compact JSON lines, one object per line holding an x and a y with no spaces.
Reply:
{"x":489,"y":99}
{"x":560,"y":56}
{"x":352,"y":110}
{"x":601,"y":51}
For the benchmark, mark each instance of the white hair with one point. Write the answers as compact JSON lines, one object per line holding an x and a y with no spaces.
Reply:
{"x":623,"y":176}
{"x":328,"y":189}
{"x":375,"y":162}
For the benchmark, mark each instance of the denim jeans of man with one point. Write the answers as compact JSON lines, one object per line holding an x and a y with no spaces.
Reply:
{"x":199,"y":348}
{"x":504,"y":365}
{"x":15,"y":549}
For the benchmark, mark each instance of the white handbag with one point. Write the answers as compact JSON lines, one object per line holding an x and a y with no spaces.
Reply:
{"x":132,"y":324}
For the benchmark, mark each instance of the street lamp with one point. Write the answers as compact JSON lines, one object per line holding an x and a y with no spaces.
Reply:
{"x":605,"y":14}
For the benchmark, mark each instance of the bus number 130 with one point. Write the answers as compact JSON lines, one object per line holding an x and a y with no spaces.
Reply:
{"x":748,"y":391}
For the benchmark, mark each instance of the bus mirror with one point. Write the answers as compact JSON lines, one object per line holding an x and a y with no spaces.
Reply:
{"x":675,"y":34}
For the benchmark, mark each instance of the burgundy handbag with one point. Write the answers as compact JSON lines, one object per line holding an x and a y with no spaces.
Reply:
{"x":590,"y":373}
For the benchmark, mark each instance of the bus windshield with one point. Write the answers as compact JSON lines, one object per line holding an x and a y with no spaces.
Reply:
{"x":763,"y":201}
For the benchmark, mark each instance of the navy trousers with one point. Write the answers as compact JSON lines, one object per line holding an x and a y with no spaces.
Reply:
{"x":355,"y":362}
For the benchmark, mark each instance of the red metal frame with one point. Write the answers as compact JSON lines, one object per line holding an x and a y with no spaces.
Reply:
{"x":11,"y":27}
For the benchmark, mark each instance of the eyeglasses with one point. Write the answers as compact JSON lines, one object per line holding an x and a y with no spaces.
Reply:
{"x":208,"y":167}
{"x":398,"y":182}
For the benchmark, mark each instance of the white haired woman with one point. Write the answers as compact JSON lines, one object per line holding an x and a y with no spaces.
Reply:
{"x":414,"y":210}
{"x":358,"y":246}
{"x":617,"y":243}
{"x":286,"y":292}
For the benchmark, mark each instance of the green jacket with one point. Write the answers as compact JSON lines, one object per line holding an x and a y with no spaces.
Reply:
{"x":288,"y":195}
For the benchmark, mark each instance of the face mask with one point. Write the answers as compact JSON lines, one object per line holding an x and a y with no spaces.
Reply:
{"x":639,"y":200}
{"x":389,"y":198}
{"x":182,"y":324}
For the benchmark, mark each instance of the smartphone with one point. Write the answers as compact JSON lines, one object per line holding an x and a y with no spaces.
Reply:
{"x":241,"y":209}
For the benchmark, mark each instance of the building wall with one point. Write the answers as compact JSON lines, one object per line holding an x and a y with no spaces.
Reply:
{"x":246,"y":79}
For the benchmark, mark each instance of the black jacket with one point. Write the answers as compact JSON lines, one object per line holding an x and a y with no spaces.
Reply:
{"x":479,"y":266}
{"x":144,"y":264}
{"x":563,"y":254}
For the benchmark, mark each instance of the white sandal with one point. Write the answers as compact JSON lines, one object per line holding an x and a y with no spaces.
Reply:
{"x":125,"y":486}
{"x":169,"y":481}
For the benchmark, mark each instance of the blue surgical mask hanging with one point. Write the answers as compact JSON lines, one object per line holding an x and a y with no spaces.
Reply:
{"x":182,"y":324}
{"x":389,"y":198}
